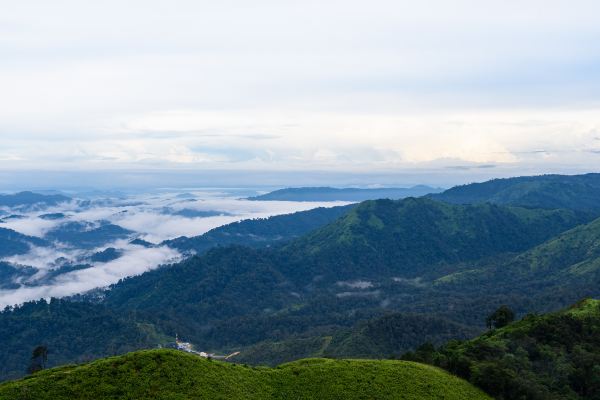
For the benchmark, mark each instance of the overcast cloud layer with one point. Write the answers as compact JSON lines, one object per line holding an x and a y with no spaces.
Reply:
{"x":312,"y":85}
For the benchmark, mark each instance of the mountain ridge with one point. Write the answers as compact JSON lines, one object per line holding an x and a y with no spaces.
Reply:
{"x":575,"y":192}
{"x":326,"y":193}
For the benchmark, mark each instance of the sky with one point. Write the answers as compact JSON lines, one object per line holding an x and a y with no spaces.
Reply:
{"x":287,"y":93}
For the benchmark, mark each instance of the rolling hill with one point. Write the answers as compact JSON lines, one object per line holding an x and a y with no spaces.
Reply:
{"x":170,"y":374}
{"x":86,"y":234}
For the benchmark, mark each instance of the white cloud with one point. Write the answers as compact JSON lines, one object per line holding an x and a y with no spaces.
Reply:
{"x":358,"y":284}
{"x":157,"y":227}
{"x":348,"y":85}
{"x":43,"y":257}
{"x":30,"y":225}
{"x":135,"y":261}
{"x":142,"y":213}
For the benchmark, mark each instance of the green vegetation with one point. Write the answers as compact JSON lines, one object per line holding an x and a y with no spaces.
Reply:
{"x":577,"y":192}
{"x":546,"y":357}
{"x":71,"y":331}
{"x":415,"y":237}
{"x":571,"y":256}
{"x":170,"y":374}
{"x":238,"y":296}
{"x":260,"y":232}
{"x":235,"y":297}
{"x":388,"y":336}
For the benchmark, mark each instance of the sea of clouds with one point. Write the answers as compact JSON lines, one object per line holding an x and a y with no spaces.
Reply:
{"x":152,"y":217}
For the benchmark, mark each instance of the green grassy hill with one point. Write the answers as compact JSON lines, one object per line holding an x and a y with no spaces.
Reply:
{"x":170,"y":374}
{"x":554,"y":356}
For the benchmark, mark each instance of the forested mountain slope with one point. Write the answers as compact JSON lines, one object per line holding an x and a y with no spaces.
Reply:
{"x":411,"y":237}
{"x":573,"y":255}
{"x":261,"y":232}
{"x":388,"y":336}
{"x":30,"y":198}
{"x":355,"y":263}
{"x":72,"y":332}
{"x":574,"y":192}
{"x":546,"y":357}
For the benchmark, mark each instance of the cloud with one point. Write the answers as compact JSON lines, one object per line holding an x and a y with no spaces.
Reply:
{"x":358,"y":284}
{"x":43,"y":258}
{"x":156,"y":226}
{"x":470,"y":167}
{"x":345,"y":85}
{"x":31,"y":225}
{"x":142,"y":213}
{"x":136,"y":260}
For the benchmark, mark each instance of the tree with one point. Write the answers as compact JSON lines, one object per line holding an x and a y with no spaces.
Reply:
{"x":499,"y":318}
{"x":39,"y":357}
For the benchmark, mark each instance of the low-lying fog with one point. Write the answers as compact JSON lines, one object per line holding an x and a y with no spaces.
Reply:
{"x":90,"y":241}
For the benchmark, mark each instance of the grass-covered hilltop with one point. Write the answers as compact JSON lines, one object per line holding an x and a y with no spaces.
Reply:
{"x":171,"y":374}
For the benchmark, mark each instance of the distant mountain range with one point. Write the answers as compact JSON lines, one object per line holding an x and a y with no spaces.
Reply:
{"x":345,"y":194}
{"x":31,"y":198}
